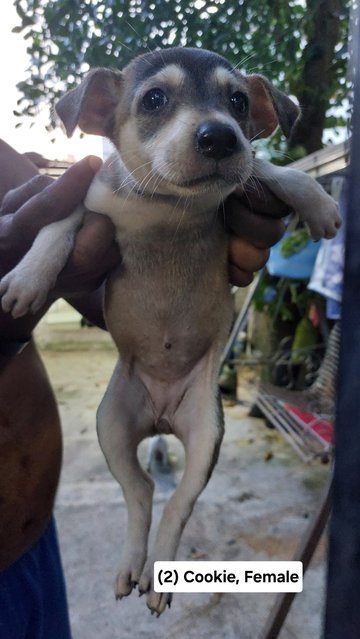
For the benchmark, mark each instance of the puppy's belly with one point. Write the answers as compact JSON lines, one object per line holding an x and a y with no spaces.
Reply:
{"x":163,"y":357}
{"x":171,"y":399}
{"x":165,"y":333}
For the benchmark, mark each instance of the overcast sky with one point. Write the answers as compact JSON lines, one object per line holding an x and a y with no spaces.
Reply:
{"x":13,"y":63}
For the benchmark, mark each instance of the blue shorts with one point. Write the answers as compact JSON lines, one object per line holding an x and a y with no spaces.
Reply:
{"x":32,"y":594}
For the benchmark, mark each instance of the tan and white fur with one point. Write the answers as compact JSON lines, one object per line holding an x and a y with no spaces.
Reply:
{"x":180,"y":121}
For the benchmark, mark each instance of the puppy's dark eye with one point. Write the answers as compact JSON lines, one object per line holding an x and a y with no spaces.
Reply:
{"x":240,"y":103}
{"x":154,"y":100}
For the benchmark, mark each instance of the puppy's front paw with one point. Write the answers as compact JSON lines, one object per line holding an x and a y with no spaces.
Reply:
{"x":20,"y":296}
{"x":325,"y":221}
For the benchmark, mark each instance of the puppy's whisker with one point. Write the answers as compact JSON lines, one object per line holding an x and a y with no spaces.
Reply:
{"x":274,"y":180}
{"x":243,"y":61}
{"x":129,"y":179}
{"x":173,"y":210}
{"x":180,"y":220}
{"x":256,"y":69}
{"x":136,"y":186}
{"x":124,"y":45}
{"x":145,"y":43}
{"x":154,"y":173}
{"x":221,"y":208}
{"x":160,"y":178}
{"x":113,"y":161}
{"x":142,"y":186}
{"x":256,"y":135}
{"x":254,"y":185}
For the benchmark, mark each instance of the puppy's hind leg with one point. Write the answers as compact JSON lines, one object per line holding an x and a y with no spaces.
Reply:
{"x":199,"y":426}
{"x":124,"y":418}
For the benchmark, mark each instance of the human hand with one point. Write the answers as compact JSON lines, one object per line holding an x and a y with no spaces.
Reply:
{"x":254,"y":221}
{"x":42,"y":201}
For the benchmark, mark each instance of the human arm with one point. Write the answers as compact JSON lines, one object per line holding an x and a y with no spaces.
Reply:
{"x":42,"y":201}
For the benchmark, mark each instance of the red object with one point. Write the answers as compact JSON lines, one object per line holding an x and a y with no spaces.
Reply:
{"x":322,"y":427}
{"x":314,"y":316}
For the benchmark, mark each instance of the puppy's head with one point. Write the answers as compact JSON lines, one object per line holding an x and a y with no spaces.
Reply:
{"x":181,"y":118}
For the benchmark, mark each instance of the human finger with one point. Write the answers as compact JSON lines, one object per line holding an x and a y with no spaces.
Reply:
{"x":238,"y":277}
{"x":245,"y":256}
{"x":57,"y":200}
{"x":15,"y":198}
{"x":260,"y":230}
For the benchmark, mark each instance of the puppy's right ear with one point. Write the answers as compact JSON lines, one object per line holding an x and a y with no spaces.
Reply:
{"x":92,"y":104}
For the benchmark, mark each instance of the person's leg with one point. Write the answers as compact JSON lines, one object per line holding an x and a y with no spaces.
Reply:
{"x":33,"y":601}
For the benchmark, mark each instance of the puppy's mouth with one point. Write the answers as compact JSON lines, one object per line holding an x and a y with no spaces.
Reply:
{"x":203,"y":181}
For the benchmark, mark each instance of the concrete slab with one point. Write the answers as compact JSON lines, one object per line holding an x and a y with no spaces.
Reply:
{"x":256,"y":506}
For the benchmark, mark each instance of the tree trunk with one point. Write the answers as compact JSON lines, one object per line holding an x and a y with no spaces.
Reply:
{"x":318,"y":78}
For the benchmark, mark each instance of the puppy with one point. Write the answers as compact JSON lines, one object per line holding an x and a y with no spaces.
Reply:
{"x":180,"y":120}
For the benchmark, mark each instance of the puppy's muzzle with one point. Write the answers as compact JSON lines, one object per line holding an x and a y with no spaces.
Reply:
{"x":216,"y":140}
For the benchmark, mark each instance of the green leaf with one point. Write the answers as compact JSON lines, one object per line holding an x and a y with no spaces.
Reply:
{"x":258,"y":35}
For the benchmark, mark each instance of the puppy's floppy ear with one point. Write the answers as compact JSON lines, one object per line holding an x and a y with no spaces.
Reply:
{"x":269,"y":108}
{"x":92,"y":104}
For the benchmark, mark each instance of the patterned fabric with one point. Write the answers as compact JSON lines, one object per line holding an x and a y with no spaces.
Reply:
{"x":327,"y":276}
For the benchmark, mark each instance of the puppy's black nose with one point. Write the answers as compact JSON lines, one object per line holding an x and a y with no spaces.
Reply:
{"x":216,"y":140}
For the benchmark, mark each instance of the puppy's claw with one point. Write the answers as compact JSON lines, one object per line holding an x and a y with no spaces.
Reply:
{"x":155,"y":612}
{"x":143,"y":591}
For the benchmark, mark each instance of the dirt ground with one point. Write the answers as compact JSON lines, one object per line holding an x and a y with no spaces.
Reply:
{"x":256,"y":506}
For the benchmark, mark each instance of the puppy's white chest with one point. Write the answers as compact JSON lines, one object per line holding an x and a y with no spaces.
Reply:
{"x":129,"y":212}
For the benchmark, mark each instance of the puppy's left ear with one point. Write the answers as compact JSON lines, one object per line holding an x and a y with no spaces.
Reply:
{"x":269,"y":108}
{"x":92,"y":104}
